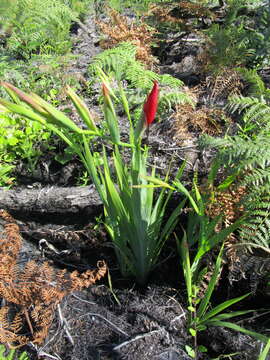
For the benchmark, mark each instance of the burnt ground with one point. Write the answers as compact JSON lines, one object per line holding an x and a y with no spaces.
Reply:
{"x":115,"y":319}
{"x":120,"y":320}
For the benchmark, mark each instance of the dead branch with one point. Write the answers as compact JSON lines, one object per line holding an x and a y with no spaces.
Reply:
{"x":52,"y":200}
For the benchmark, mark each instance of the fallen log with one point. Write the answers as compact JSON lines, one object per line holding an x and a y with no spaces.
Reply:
{"x":50,"y":201}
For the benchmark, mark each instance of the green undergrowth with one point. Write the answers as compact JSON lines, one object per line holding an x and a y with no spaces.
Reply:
{"x":12,"y":354}
{"x":43,"y":29}
{"x":35,"y":55}
{"x":21,"y":141}
{"x":138,"y":6}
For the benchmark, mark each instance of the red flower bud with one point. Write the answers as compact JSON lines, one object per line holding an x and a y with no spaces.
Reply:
{"x":151,"y":104}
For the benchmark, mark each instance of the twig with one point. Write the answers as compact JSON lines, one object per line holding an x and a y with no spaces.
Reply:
{"x":178,"y":317}
{"x":83,"y":300}
{"x":108,"y":322}
{"x":28,"y":321}
{"x":137,"y":337}
{"x":183,"y":148}
{"x":64,"y":324}
{"x":40,"y":352}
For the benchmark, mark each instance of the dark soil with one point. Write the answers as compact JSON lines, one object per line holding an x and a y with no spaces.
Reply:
{"x":121,"y":320}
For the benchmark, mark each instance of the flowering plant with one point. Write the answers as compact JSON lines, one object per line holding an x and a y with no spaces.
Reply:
{"x":133,"y":217}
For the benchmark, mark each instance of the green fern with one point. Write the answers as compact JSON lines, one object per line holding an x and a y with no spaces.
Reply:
{"x":256,"y":230}
{"x":247,"y":161}
{"x":139,"y":77}
{"x":44,"y":27}
{"x":120,"y":62}
{"x":257,"y":87}
{"x":256,"y":113}
{"x":171,"y":98}
{"x":11,"y":354}
{"x":243,"y":155}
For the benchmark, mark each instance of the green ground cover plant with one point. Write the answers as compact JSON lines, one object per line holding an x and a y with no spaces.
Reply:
{"x":43,"y":29}
{"x":29,"y":61}
{"x":242,"y":38}
{"x":11,"y":354}
{"x":20,"y":140}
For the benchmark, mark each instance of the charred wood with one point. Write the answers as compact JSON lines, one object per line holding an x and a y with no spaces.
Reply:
{"x":52,"y":201}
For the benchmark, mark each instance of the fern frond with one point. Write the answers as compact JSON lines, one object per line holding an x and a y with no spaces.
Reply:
{"x":139,"y":77}
{"x":170,"y":99}
{"x":45,"y":23}
{"x":256,"y":114}
{"x":114,"y":60}
{"x":257,"y":87}
{"x":168,"y":80}
{"x":120,"y":62}
{"x":34,"y":292}
{"x":249,"y":160}
{"x":257,"y":226}
{"x":11,"y":354}
{"x":240,"y":103}
{"x":206,"y":141}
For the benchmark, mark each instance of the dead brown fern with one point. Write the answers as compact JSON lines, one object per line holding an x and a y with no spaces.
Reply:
{"x":32,"y":293}
{"x":228,"y":203}
{"x":205,"y":120}
{"x":190,"y":9}
{"x":178,"y":13}
{"x":162,"y":14}
{"x":118,"y":29}
{"x":227,"y":83}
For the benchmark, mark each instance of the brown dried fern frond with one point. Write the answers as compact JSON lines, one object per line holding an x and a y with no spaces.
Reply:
{"x":9,"y":333}
{"x":10,"y":244}
{"x":162,"y":13}
{"x":227,"y":83}
{"x":191,"y":9}
{"x":118,"y":29}
{"x":33,"y":292}
{"x":205,"y":120}
{"x":227,"y":202}
{"x":177,"y":13}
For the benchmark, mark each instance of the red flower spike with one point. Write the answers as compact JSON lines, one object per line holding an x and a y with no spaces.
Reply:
{"x":151,"y":104}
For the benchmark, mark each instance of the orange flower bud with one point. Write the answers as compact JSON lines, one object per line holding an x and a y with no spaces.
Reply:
{"x":105,"y":91}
